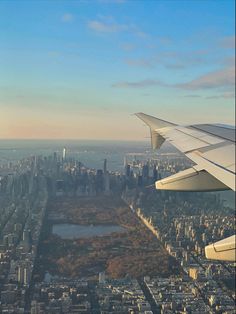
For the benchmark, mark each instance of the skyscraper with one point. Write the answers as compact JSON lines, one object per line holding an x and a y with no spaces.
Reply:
{"x":154,"y":174}
{"x":145,"y":171}
{"x":27,"y":274}
{"x":20,"y":274}
{"x":105,"y":166}
{"x":64,"y":154}
{"x":127,"y":170}
{"x":54,"y":157}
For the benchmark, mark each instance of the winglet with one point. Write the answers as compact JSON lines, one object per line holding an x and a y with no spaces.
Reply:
{"x":155,"y":124}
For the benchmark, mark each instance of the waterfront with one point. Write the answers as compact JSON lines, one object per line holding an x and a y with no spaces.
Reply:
{"x":92,"y":153}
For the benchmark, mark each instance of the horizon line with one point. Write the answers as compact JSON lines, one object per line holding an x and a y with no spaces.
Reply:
{"x":71,"y":139}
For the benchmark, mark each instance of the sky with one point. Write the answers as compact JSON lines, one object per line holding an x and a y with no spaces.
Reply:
{"x":81,"y":69}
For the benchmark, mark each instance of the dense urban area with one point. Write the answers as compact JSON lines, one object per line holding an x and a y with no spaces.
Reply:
{"x":80,"y":240}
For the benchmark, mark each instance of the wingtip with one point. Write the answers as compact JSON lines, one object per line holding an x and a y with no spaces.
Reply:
{"x":152,"y":121}
{"x":140,"y":115}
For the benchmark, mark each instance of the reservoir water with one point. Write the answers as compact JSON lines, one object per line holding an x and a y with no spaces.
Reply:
{"x":72,"y":231}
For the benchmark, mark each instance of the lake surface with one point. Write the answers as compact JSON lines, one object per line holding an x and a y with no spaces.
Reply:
{"x":72,"y":231}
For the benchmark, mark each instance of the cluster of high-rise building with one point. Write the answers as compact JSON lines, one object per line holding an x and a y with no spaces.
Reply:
{"x":184,"y":235}
{"x":62,"y":296}
{"x":184,"y":223}
{"x":122,"y":296}
{"x":176,"y":295}
{"x":106,"y":296}
{"x":19,"y":240}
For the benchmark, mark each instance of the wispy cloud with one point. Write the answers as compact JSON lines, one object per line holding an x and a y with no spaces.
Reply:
{"x":180,"y":60}
{"x":192,"y":96}
{"x":226,"y":95}
{"x":140,"y":33}
{"x":175,"y":66}
{"x":229,"y":95}
{"x":67,"y":18}
{"x":128,"y":46}
{"x":144,"y":63}
{"x":224,"y":79}
{"x":228,"y":42}
{"x":112,"y":1}
{"x":108,"y":26}
{"x":229,"y":61}
{"x":138,"y":84}
{"x":216,"y":79}
{"x":171,"y":60}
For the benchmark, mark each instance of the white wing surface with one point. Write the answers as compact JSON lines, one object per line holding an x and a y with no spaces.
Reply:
{"x":211,"y":147}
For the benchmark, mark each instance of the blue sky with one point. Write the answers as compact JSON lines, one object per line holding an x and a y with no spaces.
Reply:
{"x":79,"y":69}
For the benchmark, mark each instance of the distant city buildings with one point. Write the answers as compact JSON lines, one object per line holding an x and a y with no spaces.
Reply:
{"x":184,"y":223}
{"x":64,"y":154}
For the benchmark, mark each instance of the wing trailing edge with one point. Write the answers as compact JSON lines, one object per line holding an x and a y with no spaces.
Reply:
{"x":191,"y":180}
{"x":223,"y":250}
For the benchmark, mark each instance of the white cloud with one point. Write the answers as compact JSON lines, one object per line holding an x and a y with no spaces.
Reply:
{"x":228,"y":95}
{"x":138,"y":84}
{"x":145,"y":63}
{"x":106,"y":26}
{"x":215,"y":79}
{"x":223,"y":79}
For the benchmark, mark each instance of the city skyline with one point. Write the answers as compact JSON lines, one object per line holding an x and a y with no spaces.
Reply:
{"x":78,"y":239}
{"x":79,"y":69}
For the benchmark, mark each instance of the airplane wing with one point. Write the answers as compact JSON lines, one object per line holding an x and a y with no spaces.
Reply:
{"x":212,"y":148}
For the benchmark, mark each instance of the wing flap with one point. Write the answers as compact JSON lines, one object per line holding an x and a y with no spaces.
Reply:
{"x":223,"y":156}
{"x":222,"y":250}
{"x":219,"y":172}
{"x":191,"y":180}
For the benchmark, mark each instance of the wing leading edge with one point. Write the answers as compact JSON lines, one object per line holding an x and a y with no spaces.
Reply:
{"x":212,"y":148}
